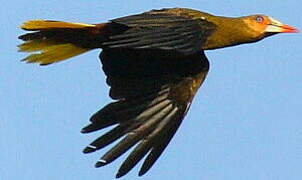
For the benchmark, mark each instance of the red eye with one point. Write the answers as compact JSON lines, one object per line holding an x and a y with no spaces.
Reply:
{"x":259,"y":19}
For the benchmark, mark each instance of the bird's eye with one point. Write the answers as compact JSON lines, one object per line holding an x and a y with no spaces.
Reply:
{"x":259,"y":19}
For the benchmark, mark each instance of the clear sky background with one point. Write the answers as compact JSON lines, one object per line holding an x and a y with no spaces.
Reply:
{"x":245,"y":123}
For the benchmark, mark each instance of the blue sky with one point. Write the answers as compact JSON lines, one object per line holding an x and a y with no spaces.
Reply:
{"x":245,"y":122}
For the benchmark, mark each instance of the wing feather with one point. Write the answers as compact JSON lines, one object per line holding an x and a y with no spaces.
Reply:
{"x":165,"y":31}
{"x":153,"y":94}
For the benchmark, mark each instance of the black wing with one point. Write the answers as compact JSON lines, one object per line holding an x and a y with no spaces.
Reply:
{"x":161,"y":30}
{"x":153,"y":96}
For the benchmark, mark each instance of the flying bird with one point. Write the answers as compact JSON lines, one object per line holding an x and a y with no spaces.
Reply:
{"x":154,"y":63}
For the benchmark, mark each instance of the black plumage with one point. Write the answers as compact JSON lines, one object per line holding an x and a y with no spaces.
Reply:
{"x":147,"y":110}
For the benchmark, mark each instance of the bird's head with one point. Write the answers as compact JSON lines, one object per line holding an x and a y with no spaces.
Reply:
{"x":247,"y":29}
{"x":262,"y":26}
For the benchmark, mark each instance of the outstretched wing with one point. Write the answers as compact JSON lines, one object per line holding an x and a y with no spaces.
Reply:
{"x":153,"y":95}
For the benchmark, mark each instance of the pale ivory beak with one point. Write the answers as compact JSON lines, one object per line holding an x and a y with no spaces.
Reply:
{"x":277,"y":27}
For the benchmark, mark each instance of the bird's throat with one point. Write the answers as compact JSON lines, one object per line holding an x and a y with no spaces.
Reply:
{"x":229,"y":32}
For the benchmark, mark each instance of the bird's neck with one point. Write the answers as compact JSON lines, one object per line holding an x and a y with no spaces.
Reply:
{"x":229,"y":32}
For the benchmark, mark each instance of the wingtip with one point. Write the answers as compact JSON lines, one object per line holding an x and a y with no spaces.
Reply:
{"x":121,"y":172}
{"x":100,"y":163}
{"x":141,"y":173}
{"x":118,"y":175}
{"x":89,"y":128}
{"x":89,"y":149}
{"x":84,"y":131}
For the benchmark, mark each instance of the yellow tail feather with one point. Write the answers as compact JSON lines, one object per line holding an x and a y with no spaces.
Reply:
{"x":47,"y":24}
{"x":49,"y":52}
{"x":54,"y":41}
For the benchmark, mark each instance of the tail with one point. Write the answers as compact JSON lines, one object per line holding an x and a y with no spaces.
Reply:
{"x":54,"y":41}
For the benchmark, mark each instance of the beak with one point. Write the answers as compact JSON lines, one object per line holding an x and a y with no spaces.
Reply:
{"x":276,"y":26}
{"x":289,"y":29}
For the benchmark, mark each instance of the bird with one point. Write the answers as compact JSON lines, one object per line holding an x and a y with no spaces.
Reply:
{"x":154,"y":64}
